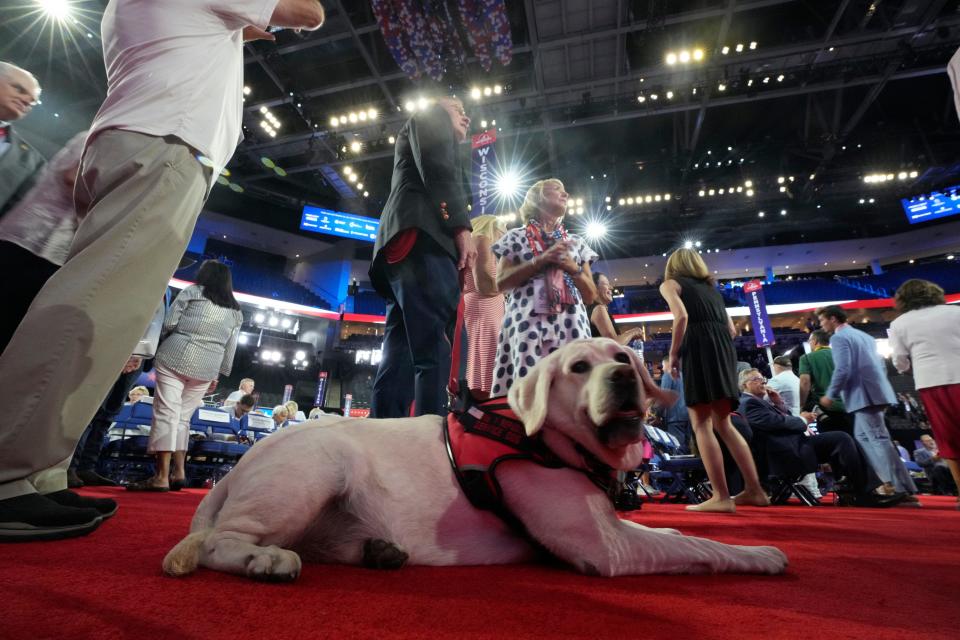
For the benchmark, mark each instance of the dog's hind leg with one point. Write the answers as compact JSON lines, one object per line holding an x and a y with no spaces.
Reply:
{"x":237,"y":553}
{"x":380,"y":554}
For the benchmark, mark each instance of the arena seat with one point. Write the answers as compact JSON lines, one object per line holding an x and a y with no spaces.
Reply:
{"x":212,"y":458}
{"x":680,"y":476}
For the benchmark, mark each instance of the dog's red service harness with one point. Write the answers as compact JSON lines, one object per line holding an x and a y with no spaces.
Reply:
{"x":481,"y":436}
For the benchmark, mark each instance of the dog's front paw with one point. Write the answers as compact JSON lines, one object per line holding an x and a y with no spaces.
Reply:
{"x":273,"y":564}
{"x":768,"y":560}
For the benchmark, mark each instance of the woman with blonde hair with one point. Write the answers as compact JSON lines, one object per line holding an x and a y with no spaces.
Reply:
{"x":280,"y":416}
{"x":138,"y":392}
{"x":926,"y":336}
{"x":483,"y":306}
{"x":547,"y":274}
{"x":702,"y":347}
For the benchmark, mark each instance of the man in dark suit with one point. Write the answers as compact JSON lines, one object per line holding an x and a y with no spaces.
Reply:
{"x":19,"y":162}
{"x":787,"y":447}
{"x":423,"y":243}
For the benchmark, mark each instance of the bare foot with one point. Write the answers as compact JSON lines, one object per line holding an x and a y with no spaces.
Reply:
{"x":756,"y":498}
{"x":715,"y":505}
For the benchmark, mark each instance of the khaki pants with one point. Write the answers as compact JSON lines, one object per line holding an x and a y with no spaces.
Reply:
{"x":141,"y":196}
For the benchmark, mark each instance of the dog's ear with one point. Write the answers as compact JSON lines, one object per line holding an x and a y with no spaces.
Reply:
{"x":650,"y":388}
{"x":529,"y":396}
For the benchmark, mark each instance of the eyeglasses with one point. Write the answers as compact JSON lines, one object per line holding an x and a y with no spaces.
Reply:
{"x":756,"y":378}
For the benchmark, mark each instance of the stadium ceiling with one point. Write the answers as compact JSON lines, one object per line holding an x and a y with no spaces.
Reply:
{"x":802,"y":99}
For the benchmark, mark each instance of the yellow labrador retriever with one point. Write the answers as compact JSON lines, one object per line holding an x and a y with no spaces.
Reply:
{"x":382,"y":492}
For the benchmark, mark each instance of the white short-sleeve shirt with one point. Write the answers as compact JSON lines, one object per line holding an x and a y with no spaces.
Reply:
{"x":176,"y":68}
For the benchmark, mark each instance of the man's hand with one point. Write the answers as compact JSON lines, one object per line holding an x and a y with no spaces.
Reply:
{"x":133,"y":363}
{"x":808,"y":417}
{"x":251,"y":33}
{"x":826,"y":402}
{"x":774,"y":396}
{"x":466,"y":249}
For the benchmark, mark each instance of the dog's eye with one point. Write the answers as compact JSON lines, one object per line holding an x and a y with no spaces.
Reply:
{"x":580,"y":366}
{"x":622,"y":357}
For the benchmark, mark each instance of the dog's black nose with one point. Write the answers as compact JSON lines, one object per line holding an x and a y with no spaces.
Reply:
{"x":623,"y":382}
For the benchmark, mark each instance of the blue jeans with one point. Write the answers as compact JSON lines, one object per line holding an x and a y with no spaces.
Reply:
{"x":870,"y":430}
{"x":419,"y":328}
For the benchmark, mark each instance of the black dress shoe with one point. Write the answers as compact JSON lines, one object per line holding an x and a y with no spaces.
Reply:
{"x":104,"y":506}
{"x":871,"y":500}
{"x":73,"y":480}
{"x":33,"y":517}
{"x":93,"y":479}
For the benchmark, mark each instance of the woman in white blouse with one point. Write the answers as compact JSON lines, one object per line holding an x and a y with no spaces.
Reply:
{"x":927,"y":336}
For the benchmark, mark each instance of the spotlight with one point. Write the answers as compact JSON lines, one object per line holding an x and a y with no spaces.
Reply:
{"x":508,"y":184}
{"x":355,"y":146}
{"x":285,"y":323}
{"x":761,"y":214}
{"x":372,"y":114}
{"x":334,"y":121}
{"x":391,"y":140}
{"x":259,"y":318}
{"x":669,"y":95}
{"x":721,"y":87}
{"x":753,"y":45}
{"x":246,"y":90}
{"x":725,"y":50}
{"x":56,"y":9}
{"x":242,"y":339}
{"x":475,"y":93}
{"x":352,"y":177}
{"x":352,"y":117}
{"x":688,"y":244}
{"x":671,"y":59}
{"x":347,"y":170}
{"x":684,"y":57}
{"x":359,"y":185}
{"x":698,"y":54}
{"x":273,"y":321}
{"x":596,"y":230}
{"x":300,"y":355}
{"x":739,"y":48}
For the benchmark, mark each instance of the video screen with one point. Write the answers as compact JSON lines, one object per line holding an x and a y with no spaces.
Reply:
{"x":933,"y":205}
{"x":337,"y":223}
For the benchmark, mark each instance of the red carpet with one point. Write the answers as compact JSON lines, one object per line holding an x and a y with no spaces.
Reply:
{"x":854,"y":573}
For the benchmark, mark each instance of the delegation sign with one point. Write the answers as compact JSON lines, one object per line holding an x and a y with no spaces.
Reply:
{"x":484,"y":156}
{"x":759,"y":320}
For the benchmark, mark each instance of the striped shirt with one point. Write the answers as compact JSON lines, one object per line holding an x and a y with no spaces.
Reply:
{"x":202,"y":337}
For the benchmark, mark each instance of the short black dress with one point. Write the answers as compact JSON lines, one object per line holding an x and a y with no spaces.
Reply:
{"x":708,"y":357}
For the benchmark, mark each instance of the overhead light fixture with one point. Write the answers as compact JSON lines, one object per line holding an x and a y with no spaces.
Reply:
{"x":725,"y":50}
{"x":57,"y":9}
{"x":246,"y":90}
{"x":356,"y":146}
{"x":391,"y":140}
{"x":671,"y":59}
{"x":721,"y":87}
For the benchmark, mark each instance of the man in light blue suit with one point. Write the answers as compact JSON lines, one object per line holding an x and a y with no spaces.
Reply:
{"x":860,"y":380}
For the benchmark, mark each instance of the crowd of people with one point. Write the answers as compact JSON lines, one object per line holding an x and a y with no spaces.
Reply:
{"x":98,"y":232}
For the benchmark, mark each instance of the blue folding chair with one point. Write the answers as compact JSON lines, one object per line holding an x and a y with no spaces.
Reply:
{"x":680,"y":475}
{"x":124,"y":458}
{"x":256,"y":426}
{"x":213,"y":457}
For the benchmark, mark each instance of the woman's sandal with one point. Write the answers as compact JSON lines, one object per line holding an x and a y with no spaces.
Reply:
{"x":176,"y":485}
{"x":145,"y":485}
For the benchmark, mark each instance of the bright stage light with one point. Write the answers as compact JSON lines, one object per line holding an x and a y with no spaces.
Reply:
{"x":273,"y":321}
{"x":508,"y":185}
{"x":688,"y":244}
{"x":596,"y":230}
{"x":242,"y":339}
{"x":300,"y":355}
{"x":56,"y":9}
{"x":259,"y":318}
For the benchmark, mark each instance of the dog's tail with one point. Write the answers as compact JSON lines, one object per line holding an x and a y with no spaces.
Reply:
{"x":185,"y":556}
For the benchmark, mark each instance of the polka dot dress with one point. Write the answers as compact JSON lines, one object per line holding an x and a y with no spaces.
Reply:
{"x":526,"y":336}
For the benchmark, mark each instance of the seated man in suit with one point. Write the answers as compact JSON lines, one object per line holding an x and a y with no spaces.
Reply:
{"x":787,"y":447}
